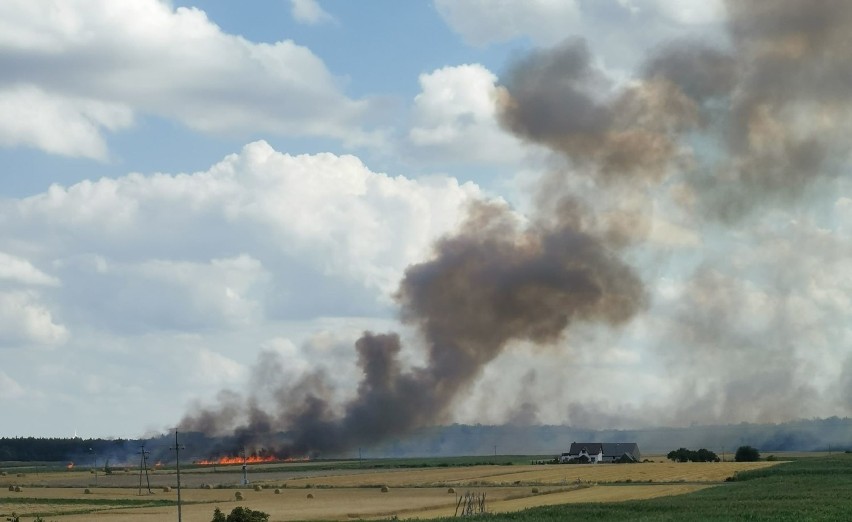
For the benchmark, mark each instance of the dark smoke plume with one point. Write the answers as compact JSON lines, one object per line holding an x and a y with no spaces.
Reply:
{"x":554,"y":98}
{"x":770,"y":112}
{"x":487,"y":286}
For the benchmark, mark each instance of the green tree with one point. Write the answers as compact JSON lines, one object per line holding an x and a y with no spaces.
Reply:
{"x":240,"y":514}
{"x":747,"y":454}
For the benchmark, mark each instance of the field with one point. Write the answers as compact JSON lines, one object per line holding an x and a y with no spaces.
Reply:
{"x":345,"y":492}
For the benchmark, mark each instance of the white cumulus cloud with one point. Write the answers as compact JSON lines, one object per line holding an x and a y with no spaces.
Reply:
{"x":259,"y":233}
{"x":75,"y":70}
{"x":24,"y":320}
{"x":455,"y":115}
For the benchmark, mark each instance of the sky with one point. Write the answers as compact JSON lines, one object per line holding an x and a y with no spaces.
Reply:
{"x":204,"y":205}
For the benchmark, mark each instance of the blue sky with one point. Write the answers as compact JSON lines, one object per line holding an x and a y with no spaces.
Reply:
{"x":188,"y":185}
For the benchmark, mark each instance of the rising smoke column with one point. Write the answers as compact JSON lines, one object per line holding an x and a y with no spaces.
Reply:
{"x":489,"y":285}
{"x":771,"y":109}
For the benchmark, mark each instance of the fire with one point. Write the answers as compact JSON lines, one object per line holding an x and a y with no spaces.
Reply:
{"x":251,"y":459}
{"x":70,"y":466}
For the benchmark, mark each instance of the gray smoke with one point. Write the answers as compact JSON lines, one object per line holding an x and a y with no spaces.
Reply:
{"x":770,"y":111}
{"x":489,"y":285}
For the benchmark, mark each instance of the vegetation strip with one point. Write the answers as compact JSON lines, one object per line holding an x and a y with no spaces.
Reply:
{"x":808,"y":489}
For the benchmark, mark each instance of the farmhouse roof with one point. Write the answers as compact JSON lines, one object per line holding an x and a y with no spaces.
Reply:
{"x":608,"y":449}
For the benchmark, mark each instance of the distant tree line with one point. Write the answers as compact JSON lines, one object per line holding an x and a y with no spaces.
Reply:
{"x":686,"y":455}
{"x":29,"y":449}
{"x":97,"y":451}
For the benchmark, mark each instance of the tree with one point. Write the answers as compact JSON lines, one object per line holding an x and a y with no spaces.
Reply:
{"x":747,"y":454}
{"x":686,"y":455}
{"x":240,"y":514}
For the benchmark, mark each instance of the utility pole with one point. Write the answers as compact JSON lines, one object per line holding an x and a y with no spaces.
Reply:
{"x":245,"y":470}
{"x":143,"y":466}
{"x":177,"y":447}
{"x":95,"y":465}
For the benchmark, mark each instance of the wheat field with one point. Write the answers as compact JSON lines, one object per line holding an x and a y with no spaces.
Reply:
{"x":420,"y":493}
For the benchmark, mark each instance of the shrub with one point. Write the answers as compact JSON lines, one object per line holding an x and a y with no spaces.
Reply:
{"x":686,"y":455}
{"x":240,"y":514}
{"x":747,"y":454}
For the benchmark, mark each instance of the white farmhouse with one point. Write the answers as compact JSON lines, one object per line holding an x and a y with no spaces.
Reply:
{"x":597,"y":452}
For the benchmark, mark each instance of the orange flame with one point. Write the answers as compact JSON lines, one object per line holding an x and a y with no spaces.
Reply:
{"x":70,"y":466}
{"x":251,"y":459}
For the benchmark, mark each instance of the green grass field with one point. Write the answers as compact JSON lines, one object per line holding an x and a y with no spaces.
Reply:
{"x":804,"y":490}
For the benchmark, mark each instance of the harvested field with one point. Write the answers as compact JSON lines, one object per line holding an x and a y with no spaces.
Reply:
{"x":345,"y":495}
{"x":549,"y":474}
{"x":590,"y":494}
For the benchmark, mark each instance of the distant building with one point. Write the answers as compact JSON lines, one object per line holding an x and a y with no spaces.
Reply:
{"x":597,"y":452}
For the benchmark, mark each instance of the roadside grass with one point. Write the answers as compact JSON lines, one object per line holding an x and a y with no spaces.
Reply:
{"x":808,"y":489}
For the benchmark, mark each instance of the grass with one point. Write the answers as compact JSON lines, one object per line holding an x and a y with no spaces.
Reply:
{"x":812,"y":489}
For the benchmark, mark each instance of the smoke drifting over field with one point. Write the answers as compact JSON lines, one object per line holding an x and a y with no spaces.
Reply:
{"x":770,"y":112}
{"x":491,"y":284}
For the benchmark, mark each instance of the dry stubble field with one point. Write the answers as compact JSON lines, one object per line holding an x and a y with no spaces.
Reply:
{"x":421,"y":493}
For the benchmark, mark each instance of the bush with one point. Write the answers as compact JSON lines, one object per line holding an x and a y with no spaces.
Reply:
{"x":747,"y":454}
{"x":687,"y":455}
{"x":240,"y":514}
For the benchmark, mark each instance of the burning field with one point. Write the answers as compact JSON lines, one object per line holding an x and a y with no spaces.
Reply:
{"x":715,"y":135}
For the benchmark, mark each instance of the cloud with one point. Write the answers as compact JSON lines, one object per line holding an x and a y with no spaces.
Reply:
{"x":309,"y":12}
{"x":17,"y":270}
{"x":481,"y":22}
{"x":57,"y":123}
{"x":258,"y":236}
{"x":9,"y":388}
{"x":73,"y":72}
{"x":621,"y":31}
{"x":455,"y":115}
{"x":26,"y":321}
